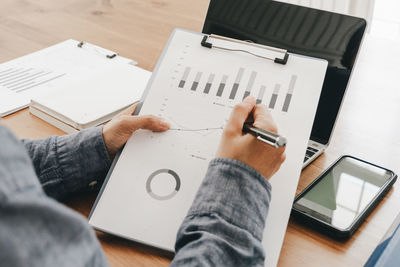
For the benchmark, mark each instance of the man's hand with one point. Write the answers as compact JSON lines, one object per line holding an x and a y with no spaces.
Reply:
{"x":245,"y":147}
{"x":120,"y":128}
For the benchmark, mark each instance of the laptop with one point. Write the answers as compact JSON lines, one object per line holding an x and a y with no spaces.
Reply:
{"x":301,"y":30}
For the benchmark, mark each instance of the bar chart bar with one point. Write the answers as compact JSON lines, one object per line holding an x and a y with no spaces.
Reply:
{"x":236,"y":84}
{"x":274,"y":96}
{"x":184,"y":77}
{"x":250,"y":84}
{"x":209,"y":83}
{"x":222,"y":85}
{"x":289,"y":94}
{"x":196,"y":81}
{"x":260,"y":94}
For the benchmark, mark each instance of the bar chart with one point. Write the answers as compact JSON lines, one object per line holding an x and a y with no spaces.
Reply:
{"x":243,"y":81}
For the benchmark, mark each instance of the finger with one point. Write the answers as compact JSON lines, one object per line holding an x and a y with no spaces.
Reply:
{"x":130,"y":110}
{"x":281,"y":151}
{"x":283,"y":157}
{"x":240,"y":113}
{"x":281,"y":160}
{"x":147,"y":122}
{"x":263,"y":119}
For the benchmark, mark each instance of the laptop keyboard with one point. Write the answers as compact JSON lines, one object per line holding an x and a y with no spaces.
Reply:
{"x":309,"y":153}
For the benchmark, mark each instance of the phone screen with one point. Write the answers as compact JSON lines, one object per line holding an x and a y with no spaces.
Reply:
{"x":343,"y":193}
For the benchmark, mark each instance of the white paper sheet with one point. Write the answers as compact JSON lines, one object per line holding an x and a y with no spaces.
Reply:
{"x":40,"y":72}
{"x":92,"y":99}
{"x":194,"y":88}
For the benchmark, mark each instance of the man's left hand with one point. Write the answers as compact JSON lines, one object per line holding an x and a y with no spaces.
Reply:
{"x":119,"y":129}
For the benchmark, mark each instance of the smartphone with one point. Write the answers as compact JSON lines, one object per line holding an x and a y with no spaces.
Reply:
{"x":339,"y":200}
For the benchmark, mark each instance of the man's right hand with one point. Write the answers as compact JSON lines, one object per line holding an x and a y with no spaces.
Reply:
{"x":245,"y":147}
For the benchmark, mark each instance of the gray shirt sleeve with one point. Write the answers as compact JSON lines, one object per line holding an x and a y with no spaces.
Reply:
{"x":225,"y":223}
{"x":70,"y":163}
{"x":223,"y":227}
{"x":36,"y":230}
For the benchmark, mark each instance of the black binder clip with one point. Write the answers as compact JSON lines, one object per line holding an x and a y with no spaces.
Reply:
{"x":283,"y":60}
{"x":205,"y":43}
{"x":110,"y":56}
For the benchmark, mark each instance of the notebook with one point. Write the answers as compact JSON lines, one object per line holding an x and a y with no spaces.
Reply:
{"x":93,"y":99}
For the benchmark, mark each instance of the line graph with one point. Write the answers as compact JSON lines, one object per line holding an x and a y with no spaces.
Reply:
{"x":204,"y":131}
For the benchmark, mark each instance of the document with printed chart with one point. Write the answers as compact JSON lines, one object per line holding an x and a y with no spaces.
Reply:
{"x":151,"y":186}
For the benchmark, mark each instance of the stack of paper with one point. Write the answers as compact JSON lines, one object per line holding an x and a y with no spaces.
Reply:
{"x":72,"y":85}
{"x":93,"y":99}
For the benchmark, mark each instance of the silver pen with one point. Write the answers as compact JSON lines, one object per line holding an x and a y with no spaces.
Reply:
{"x":265,"y":136}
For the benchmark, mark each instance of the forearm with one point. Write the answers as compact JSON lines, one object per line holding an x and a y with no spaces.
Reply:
{"x":225,"y":223}
{"x":70,"y":163}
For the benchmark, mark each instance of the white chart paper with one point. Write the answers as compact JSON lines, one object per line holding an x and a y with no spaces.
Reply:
{"x":157,"y":175}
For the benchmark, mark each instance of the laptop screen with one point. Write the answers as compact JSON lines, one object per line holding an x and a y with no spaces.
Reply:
{"x":299,"y":30}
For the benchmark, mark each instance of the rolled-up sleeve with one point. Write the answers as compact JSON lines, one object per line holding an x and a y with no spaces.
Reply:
{"x":70,"y":163}
{"x":225,"y":223}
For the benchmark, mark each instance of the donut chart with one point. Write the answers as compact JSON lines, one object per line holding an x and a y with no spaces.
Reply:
{"x":154,"y":175}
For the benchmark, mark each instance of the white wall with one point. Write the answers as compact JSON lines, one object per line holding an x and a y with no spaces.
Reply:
{"x":359,"y":8}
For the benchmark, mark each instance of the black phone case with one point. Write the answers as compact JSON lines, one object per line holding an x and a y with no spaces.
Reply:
{"x":330,"y":230}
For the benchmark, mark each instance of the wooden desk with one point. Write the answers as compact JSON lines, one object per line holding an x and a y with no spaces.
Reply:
{"x":368,"y":126}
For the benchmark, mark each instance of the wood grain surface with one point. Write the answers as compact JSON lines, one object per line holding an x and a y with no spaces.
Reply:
{"x":368,"y":125}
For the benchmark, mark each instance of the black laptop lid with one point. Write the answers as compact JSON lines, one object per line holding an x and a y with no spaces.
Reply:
{"x":300,"y":30}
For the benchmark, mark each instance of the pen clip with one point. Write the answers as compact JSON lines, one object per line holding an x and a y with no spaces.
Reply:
{"x":251,"y":48}
{"x":267,"y":141}
{"x":265,"y":136}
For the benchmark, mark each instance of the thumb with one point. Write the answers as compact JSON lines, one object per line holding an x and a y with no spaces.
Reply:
{"x":241,"y":112}
{"x":147,"y":122}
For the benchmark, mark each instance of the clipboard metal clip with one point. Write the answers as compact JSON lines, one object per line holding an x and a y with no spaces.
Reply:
{"x":110,"y":56}
{"x":283,"y":60}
